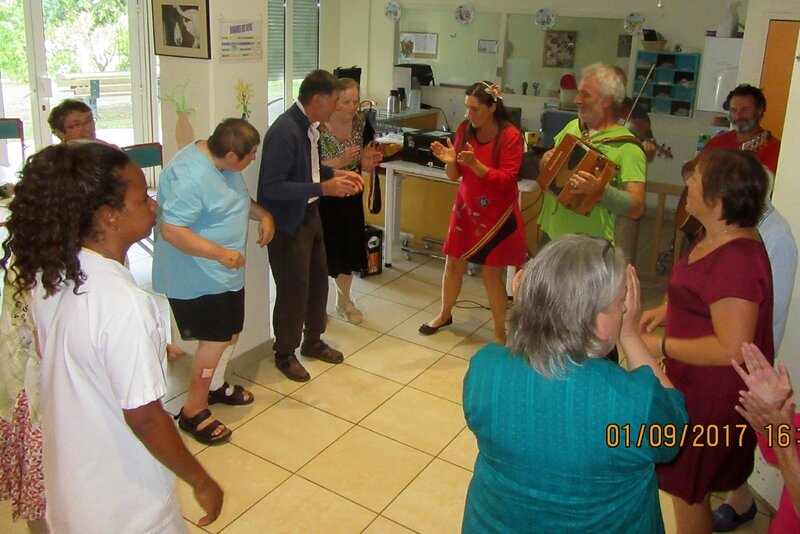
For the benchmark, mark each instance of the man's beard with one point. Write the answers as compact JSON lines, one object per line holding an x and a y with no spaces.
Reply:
{"x":745,"y":125}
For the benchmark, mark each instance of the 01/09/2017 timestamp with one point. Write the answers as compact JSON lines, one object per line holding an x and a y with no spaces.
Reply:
{"x":669,"y":435}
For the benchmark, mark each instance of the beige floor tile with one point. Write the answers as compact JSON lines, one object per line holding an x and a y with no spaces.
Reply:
{"x":444,"y":379}
{"x":434,"y":502}
{"x":366,"y":468}
{"x":394,"y":359}
{"x":367,"y":285}
{"x":264,"y":373}
{"x":462,"y":451}
{"x":382,"y":315}
{"x":194,"y":529}
{"x":381,"y":525}
{"x":445,"y":339}
{"x":347,"y":337}
{"x":347,"y":392}
{"x":473,"y":285}
{"x":300,"y":506}
{"x":244,"y":477}
{"x":290,"y":433}
{"x":477,"y":340}
{"x":406,"y":290}
{"x":430,"y":272}
{"x":417,"y":419}
{"x":9,"y":526}
{"x":235,"y":416}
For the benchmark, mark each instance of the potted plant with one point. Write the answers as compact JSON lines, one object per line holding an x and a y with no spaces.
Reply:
{"x":184,"y":132}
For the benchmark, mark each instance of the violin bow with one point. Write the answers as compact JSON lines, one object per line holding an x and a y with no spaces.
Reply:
{"x":639,"y":94}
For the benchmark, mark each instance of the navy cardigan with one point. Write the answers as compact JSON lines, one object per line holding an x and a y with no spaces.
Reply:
{"x":284,"y":180}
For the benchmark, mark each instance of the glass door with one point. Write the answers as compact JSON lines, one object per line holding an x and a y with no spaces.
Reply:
{"x":79,"y":49}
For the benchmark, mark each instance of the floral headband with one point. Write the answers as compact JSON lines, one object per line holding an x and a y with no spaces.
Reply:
{"x":492,"y":90}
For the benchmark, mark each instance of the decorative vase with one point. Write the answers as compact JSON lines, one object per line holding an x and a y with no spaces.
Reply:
{"x":184,"y":133}
{"x":729,"y":22}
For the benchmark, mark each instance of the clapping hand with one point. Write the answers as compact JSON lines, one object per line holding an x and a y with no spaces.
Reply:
{"x":445,"y":154}
{"x":633,"y":303}
{"x":467,"y":156}
{"x":350,"y":155}
{"x":762,"y":380}
{"x":371,"y":157}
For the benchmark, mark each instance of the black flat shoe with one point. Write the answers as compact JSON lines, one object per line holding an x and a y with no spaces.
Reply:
{"x":427,"y":330}
{"x":725,"y":518}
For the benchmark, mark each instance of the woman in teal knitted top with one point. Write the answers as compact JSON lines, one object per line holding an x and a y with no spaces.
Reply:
{"x":568,"y":441}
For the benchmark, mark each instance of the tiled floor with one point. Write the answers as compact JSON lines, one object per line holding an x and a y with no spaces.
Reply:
{"x":377,"y":444}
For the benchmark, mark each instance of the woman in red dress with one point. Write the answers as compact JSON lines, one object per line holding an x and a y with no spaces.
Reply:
{"x":719,"y":296}
{"x":486,"y":224}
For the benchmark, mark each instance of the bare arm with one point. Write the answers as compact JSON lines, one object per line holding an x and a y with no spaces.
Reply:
{"x":734,"y":322}
{"x":192,"y":244}
{"x":153,"y":427}
{"x":266,"y":226}
{"x":631,"y":340}
{"x":636,"y":190}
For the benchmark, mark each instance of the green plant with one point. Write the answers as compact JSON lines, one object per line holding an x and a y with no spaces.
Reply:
{"x":177,"y":97}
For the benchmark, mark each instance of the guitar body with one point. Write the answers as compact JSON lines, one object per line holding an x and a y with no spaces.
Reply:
{"x":683,"y":220}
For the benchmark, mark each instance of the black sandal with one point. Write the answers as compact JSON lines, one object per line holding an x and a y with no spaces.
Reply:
{"x":206,"y":435}
{"x":236,"y":397}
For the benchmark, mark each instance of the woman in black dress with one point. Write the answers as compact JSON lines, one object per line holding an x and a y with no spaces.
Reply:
{"x":346,"y":143}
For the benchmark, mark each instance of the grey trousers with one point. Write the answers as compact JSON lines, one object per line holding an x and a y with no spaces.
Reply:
{"x":301,"y":279}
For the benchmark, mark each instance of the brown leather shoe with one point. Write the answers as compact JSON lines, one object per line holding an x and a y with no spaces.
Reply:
{"x":321,"y":351}
{"x":291,"y":368}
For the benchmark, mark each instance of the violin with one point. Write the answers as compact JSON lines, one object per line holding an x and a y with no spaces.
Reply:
{"x":641,"y":129}
{"x":637,"y":125}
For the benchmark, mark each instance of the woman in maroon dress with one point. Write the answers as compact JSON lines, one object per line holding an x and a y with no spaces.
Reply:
{"x":486,"y":224}
{"x":719,"y":297}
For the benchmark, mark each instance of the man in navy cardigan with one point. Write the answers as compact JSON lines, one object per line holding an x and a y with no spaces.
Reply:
{"x":290,"y":182}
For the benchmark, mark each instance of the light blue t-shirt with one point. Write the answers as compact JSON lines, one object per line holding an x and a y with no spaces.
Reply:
{"x":211,"y":203}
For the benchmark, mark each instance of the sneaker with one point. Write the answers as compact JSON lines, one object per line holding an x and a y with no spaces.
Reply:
{"x":321,"y":351}
{"x":351,"y":314}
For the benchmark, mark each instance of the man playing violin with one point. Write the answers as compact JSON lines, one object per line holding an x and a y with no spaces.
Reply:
{"x":633,"y":116}
{"x":746,"y":106}
{"x":600,"y":93}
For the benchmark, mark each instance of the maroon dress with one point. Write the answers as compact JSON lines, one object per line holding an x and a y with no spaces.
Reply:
{"x":486,"y":223}
{"x":738,"y":269}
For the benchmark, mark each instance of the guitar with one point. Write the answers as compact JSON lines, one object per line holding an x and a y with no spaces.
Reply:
{"x":687,"y":224}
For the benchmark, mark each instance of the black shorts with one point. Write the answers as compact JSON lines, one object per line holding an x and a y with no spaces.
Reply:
{"x":210,"y":317}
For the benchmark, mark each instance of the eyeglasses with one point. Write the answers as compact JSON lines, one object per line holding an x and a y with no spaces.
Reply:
{"x":79,"y":124}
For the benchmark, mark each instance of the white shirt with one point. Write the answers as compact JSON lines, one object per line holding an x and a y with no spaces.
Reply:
{"x":782,"y":252}
{"x":101,"y":355}
{"x":313,"y":136}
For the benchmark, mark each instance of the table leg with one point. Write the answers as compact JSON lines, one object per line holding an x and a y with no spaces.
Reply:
{"x":389,"y":217}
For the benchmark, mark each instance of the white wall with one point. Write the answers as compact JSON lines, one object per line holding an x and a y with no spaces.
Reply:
{"x":370,"y":41}
{"x":211,"y":92}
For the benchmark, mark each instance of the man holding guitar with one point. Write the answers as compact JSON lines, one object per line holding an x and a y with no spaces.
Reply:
{"x":745,"y":106}
{"x":600,"y":93}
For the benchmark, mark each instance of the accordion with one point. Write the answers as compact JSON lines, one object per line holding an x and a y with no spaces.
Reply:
{"x":570,"y":156}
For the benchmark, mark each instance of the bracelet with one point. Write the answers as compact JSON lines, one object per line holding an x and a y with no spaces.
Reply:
{"x":664,"y":346}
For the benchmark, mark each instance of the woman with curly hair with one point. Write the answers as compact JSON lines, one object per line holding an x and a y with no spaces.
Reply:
{"x":79,"y":206}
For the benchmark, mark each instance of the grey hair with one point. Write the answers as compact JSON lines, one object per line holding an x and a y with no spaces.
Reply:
{"x":562,"y":291}
{"x":609,"y":81}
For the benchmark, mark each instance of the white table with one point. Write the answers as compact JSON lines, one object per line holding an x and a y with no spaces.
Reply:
{"x":395,"y":172}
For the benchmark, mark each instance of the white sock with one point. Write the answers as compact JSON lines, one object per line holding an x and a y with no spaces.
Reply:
{"x":218,"y":380}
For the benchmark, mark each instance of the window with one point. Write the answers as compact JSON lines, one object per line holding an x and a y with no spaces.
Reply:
{"x":292,"y":49}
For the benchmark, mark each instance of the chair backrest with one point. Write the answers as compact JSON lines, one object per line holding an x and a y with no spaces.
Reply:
{"x":12,"y":129}
{"x":553,"y":121}
{"x":145,"y":155}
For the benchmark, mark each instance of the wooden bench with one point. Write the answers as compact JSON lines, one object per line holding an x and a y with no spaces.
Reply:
{"x":95,"y":84}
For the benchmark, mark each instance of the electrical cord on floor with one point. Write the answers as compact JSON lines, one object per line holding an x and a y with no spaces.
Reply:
{"x":472,"y":305}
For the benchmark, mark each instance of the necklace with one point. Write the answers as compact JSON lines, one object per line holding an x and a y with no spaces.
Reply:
{"x":713,"y":239}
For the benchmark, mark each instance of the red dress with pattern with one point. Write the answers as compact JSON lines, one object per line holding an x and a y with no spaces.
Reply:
{"x":738,"y":269}
{"x":486,"y":223}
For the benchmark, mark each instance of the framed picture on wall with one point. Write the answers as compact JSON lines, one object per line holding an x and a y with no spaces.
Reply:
{"x":559,"y":49}
{"x":180,"y":28}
